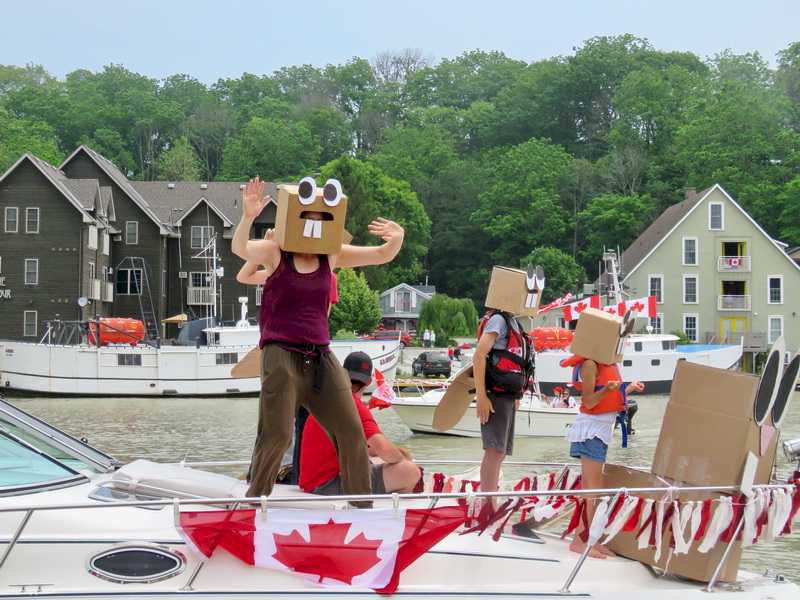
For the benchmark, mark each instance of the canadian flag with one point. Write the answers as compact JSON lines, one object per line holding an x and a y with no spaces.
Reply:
{"x":384,"y":395}
{"x":641,"y":307}
{"x":365,"y":548}
{"x":573,"y":310}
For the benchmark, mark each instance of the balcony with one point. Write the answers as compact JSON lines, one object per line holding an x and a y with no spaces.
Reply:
{"x":94,"y":289}
{"x":199,"y":296}
{"x":733,"y":264}
{"x":740,"y":303}
{"x":108,"y":292}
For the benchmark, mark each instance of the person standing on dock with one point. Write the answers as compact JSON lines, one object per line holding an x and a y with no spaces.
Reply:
{"x":297,"y":366}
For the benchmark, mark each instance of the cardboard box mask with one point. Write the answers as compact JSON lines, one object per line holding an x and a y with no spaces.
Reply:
{"x":297,"y":226}
{"x":749,"y":410}
{"x":515,"y":291}
{"x":600,"y":336}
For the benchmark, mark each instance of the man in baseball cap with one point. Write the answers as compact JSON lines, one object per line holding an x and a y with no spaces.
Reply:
{"x":319,"y":462}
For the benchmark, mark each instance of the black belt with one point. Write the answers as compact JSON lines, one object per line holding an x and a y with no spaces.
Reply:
{"x":310,"y":351}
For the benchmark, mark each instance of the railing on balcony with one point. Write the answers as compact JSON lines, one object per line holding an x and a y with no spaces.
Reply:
{"x":199,"y":296}
{"x":733,"y":264}
{"x":94,"y":289}
{"x":733,"y":302}
{"x":108,"y":292}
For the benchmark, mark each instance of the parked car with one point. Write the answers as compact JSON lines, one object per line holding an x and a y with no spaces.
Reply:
{"x":391,"y":334}
{"x":429,"y":364}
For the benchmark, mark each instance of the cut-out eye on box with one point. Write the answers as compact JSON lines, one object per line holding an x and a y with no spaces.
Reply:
{"x":768,"y":386}
{"x":307,"y":191}
{"x":332,"y":192}
{"x":785,"y":390}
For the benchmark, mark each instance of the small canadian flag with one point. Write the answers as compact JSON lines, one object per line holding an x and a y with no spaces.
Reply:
{"x":365,"y":548}
{"x":573,"y":310}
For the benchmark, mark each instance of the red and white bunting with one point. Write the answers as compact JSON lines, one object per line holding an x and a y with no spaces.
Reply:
{"x":557,"y":303}
{"x":573,"y":310}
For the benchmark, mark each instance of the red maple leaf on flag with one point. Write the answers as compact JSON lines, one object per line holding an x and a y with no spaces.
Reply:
{"x":580,"y":306}
{"x":611,"y":311}
{"x":637,"y":307}
{"x":326,"y":554}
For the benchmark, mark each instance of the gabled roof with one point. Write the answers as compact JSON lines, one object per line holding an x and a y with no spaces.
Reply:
{"x":116,"y":175}
{"x":57,"y":178}
{"x":86,"y":191}
{"x":223,"y":197}
{"x":652,"y":237}
{"x":426,"y":291}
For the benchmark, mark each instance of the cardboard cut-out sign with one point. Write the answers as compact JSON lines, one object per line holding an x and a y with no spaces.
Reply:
{"x":311,"y":220}
{"x":600,"y":336}
{"x":456,"y":400}
{"x":515,"y":291}
{"x":248,"y":366}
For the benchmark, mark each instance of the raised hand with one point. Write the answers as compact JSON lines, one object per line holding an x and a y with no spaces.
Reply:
{"x":386,"y":230}
{"x":253,"y":198}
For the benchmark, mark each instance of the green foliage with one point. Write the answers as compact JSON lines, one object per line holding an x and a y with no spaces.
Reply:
{"x":18,"y":136}
{"x":358,"y":308}
{"x":448,"y":317}
{"x":372,"y":194}
{"x":179,"y":163}
{"x":562,"y":273}
{"x":790,"y":217}
{"x":682,"y":337}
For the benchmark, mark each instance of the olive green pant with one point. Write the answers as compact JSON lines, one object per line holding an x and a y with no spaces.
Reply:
{"x":287,"y":381}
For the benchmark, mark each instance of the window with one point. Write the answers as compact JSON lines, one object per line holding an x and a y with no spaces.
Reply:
{"x":31,"y":220}
{"x":690,"y":326}
{"x":657,"y":323}
{"x":129,"y":282}
{"x":201,"y":235}
{"x":106,"y":243}
{"x":30,"y":323}
{"x":775,"y":289}
{"x":775,"y":328}
{"x":669,"y":344}
{"x":637,"y":346}
{"x":129,"y":360}
{"x":716,"y":216}
{"x":655,"y":362}
{"x":227,"y":358}
{"x":92,"y":243}
{"x":690,"y":289}
{"x":656,"y":287}
{"x":200,"y":279}
{"x":31,"y":271}
{"x":132,"y":232}
{"x":690,"y":251}
{"x":12,"y":219}
{"x":627,"y":363}
{"x":92,"y":271}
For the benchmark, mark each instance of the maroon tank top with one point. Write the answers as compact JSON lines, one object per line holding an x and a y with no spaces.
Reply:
{"x":294,"y":306}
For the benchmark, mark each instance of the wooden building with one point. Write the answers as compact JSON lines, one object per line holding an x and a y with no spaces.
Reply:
{"x":132,"y":249}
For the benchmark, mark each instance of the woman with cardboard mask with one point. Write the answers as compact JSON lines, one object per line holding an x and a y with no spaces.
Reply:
{"x":297,"y":366}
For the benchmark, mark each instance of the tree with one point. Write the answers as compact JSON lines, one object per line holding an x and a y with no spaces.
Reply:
{"x":448,"y":317}
{"x":18,"y":136}
{"x":179,"y":163}
{"x":789,"y":199}
{"x":358,"y":308}
{"x":611,"y":221}
{"x":562,"y":273}
{"x":110,"y":144}
{"x":271,"y":149}
{"x":330,"y":129}
{"x":372,"y":194}
{"x":787,"y":79}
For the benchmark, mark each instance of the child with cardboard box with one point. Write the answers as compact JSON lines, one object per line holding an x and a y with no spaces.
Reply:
{"x":596,"y":350}
{"x":297,"y":366}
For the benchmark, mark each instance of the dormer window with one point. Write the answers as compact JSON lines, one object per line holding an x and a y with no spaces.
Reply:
{"x":716,"y":216}
{"x":201,"y":235}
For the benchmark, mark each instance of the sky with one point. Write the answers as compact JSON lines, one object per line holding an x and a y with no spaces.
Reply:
{"x":212,"y":40}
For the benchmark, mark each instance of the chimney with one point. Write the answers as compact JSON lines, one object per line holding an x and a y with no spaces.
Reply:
{"x":690,"y":193}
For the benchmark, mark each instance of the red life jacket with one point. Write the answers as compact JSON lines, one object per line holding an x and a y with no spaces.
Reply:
{"x":508,"y":371}
{"x":612,"y":401}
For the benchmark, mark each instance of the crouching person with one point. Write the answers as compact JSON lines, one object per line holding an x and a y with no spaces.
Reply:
{"x":319,"y":462}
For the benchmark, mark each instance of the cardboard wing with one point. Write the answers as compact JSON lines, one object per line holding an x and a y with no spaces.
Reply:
{"x":515,"y":291}
{"x":311,"y":220}
{"x":249,"y":366}
{"x":456,"y":400}
{"x":600,"y":336}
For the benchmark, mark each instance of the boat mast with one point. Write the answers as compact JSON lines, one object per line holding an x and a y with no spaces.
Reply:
{"x":614,"y":290}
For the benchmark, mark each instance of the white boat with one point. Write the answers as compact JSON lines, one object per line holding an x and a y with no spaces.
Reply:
{"x":122,"y":370}
{"x":535,"y":418}
{"x":649,"y":358}
{"x":74,"y":523}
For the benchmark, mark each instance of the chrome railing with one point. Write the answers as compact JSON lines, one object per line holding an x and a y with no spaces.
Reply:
{"x":199,"y":296}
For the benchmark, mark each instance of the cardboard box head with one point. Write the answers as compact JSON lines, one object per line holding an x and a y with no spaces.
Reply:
{"x":456,"y":400}
{"x":600,"y":336}
{"x":311,"y":220}
{"x":515,"y":291}
{"x":749,"y":410}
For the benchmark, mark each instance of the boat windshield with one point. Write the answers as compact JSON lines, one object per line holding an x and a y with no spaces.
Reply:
{"x":21,"y":466}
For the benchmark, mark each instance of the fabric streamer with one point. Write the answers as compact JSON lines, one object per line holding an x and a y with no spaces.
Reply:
{"x":719,"y":523}
{"x":659,"y":527}
{"x":647,"y":518}
{"x":598,"y":521}
{"x":681,"y":516}
{"x":615,"y":525}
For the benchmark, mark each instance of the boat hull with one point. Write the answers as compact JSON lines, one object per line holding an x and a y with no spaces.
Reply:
{"x":144,"y":371}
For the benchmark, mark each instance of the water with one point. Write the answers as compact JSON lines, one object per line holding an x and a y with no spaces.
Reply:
{"x":172,"y":429}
